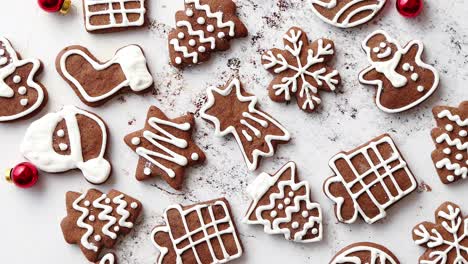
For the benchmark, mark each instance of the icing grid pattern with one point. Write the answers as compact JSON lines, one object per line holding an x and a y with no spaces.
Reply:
{"x":111,"y":12}
{"x":374,"y":170}
{"x":204,"y":229}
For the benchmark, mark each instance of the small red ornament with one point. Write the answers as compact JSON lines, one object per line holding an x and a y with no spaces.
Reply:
{"x":409,"y":8}
{"x":23,"y":175}
{"x":52,"y":6}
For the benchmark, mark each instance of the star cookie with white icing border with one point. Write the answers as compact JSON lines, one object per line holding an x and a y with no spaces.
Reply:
{"x":95,"y":220}
{"x":451,"y":139}
{"x":165,"y":147}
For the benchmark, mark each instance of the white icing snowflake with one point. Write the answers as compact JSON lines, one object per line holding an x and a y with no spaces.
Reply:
{"x":301,"y":69}
{"x":446,"y":240}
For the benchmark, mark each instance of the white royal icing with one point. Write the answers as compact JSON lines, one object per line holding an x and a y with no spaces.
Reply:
{"x":107,"y":259}
{"x":337,"y":21}
{"x":111,"y":13}
{"x":132,"y":62}
{"x":124,"y":214}
{"x":37,"y":146}
{"x":388,"y":69}
{"x":105,"y":215}
{"x":377,"y":256}
{"x":248,"y":131}
{"x":81,"y":224}
{"x":260,"y":187}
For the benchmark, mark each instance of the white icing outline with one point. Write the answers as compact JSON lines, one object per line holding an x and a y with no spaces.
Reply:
{"x":401,"y":51}
{"x":37,"y":146}
{"x":131,"y":60}
{"x":235,"y":84}
{"x":377,"y":256}
{"x":346,"y":24}
{"x":260,"y":187}
{"x":204,"y":228}
{"x":111,"y":12}
{"x":6,"y":91}
{"x":364,"y":151}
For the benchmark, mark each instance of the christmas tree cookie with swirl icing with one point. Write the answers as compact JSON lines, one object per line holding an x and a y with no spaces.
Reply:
{"x":165,"y":147}
{"x":402,"y":79}
{"x":451,"y":139}
{"x":205,"y":26}
{"x":95,"y":220}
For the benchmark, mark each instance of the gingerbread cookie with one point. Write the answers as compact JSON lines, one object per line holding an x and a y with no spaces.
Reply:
{"x":284,"y":206}
{"x":451,"y":139}
{"x":402,"y":79}
{"x":95,"y":220}
{"x":21,"y":96}
{"x":365,"y":252}
{"x":234,"y":111}
{"x":368,"y":180}
{"x":94,"y":82}
{"x":108,"y":259}
{"x":165,"y":147}
{"x":446,"y":240}
{"x":301,"y":69}
{"x":103,"y":16}
{"x":200,"y":233}
{"x":347,"y":13}
{"x":204,"y":26}
{"x":69,"y":139}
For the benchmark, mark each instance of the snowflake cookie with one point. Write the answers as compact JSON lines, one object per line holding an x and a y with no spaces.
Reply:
{"x":451,"y":139}
{"x":234,"y":111}
{"x":402,"y":79}
{"x":203,"y":27}
{"x":95,"y":220}
{"x":365,"y":252}
{"x":446,"y":240}
{"x":165,"y":147}
{"x":368,"y":180}
{"x":301,"y":69}
{"x":283,"y":205}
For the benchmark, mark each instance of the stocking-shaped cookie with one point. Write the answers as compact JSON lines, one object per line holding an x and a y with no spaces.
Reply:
{"x":203,"y":27}
{"x":198,"y":234}
{"x":108,"y":259}
{"x":95,"y":220}
{"x":402,"y":79}
{"x":451,"y":139}
{"x":95,"y":82}
{"x":69,"y":139}
{"x":21,"y":95}
{"x":283,"y":205}
{"x":233,"y":111}
{"x":165,"y":147}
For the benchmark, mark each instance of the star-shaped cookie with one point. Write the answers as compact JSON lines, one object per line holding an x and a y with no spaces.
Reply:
{"x":165,"y":147}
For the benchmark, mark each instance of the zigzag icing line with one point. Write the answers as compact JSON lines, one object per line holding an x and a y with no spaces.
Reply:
{"x":456,"y":142}
{"x":218,"y":15}
{"x":184,"y":50}
{"x":453,"y":118}
{"x":198,"y":33}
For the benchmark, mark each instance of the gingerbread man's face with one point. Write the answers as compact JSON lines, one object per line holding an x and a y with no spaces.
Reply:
{"x":380,"y":48}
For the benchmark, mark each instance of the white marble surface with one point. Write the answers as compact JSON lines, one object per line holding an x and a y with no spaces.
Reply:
{"x":30,"y":218}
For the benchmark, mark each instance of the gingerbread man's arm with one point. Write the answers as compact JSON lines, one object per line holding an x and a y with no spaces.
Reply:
{"x":370,"y":76}
{"x":413,"y":51}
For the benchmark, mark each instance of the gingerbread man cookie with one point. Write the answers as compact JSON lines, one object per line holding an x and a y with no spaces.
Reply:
{"x":402,"y":79}
{"x":103,"y":16}
{"x":94,"y":82}
{"x":69,"y":139}
{"x":234,"y":111}
{"x":283,"y":205}
{"x":205,"y":26}
{"x":365,"y":252}
{"x":301,"y":69}
{"x":347,"y":13}
{"x":451,"y":139}
{"x":446,"y":240}
{"x":368,"y":180}
{"x":165,"y":147}
{"x":21,"y":96}
{"x":198,"y":234}
{"x":95,"y":220}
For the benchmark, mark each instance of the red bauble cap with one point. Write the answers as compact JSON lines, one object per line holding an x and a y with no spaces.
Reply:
{"x":23,"y":175}
{"x":409,"y":8}
{"x":55,"y":5}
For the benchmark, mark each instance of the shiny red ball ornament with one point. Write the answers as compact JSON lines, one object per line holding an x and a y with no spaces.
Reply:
{"x":23,"y":175}
{"x":409,"y":8}
{"x":52,"y":6}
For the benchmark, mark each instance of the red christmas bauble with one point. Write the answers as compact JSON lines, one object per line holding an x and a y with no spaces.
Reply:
{"x":23,"y":175}
{"x":410,"y":8}
{"x":53,"y":6}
